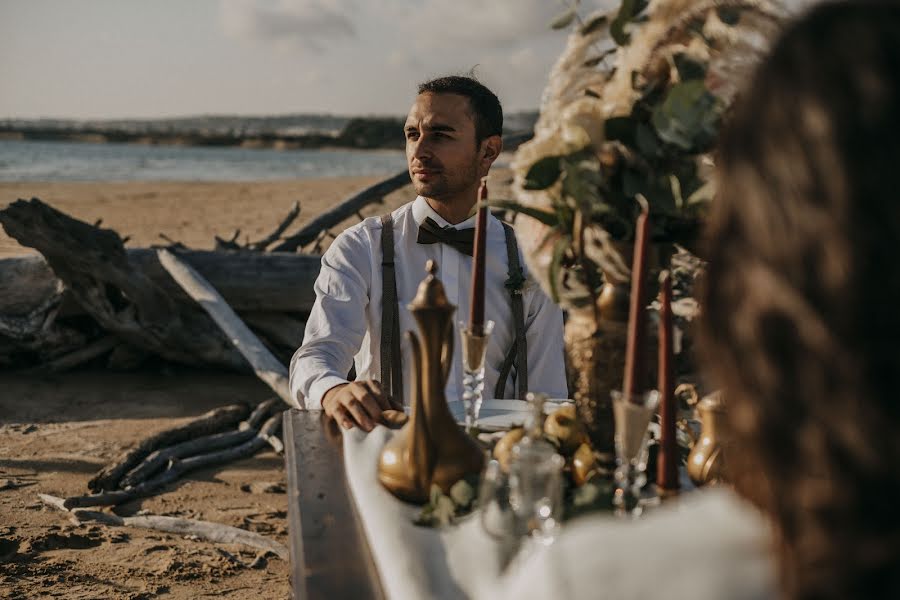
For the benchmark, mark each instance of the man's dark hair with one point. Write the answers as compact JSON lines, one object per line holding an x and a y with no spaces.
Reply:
{"x":486,"y":109}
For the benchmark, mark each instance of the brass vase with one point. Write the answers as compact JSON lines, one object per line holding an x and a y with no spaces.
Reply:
{"x":595,"y":343}
{"x":706,"y":462}
{"x":431,"y":448}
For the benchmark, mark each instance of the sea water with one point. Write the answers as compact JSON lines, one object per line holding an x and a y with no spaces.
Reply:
{"x":82,"y":161}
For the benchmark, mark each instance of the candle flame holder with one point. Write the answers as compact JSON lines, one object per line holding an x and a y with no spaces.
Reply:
{"x":474,"y":349}
{"x":632,"y":416}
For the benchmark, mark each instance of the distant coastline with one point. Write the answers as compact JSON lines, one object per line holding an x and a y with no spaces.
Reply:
{"x":358,"y":133}
{"x":277,"y":133}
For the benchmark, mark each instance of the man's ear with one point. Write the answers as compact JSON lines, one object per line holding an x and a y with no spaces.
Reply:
{"x":490,"y":149}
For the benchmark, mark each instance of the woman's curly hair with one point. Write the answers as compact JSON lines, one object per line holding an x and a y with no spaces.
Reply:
{"x":802,"y":298}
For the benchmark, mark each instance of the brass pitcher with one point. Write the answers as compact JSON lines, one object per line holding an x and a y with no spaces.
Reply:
{"x":706,"y":463}
{"x":431,"y":448}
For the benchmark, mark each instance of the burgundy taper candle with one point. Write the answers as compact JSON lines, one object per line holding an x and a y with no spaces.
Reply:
{"x":476,"y":302}
{"x":635,"y":349}
{"x":667,"y":459}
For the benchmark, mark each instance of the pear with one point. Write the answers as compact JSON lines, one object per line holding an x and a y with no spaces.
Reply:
{"x":584,"y":462}
{"x":563,"y":425}
{"x":503,"y":449}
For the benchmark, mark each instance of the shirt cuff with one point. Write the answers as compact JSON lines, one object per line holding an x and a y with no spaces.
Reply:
{"x":318,"y":389}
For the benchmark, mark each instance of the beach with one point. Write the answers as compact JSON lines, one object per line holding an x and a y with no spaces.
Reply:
{"x":57,"y":431}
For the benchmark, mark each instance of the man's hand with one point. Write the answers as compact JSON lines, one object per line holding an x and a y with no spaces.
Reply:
{"x":358,"y":403}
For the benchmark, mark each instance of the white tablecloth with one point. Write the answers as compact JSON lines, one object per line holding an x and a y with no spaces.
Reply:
{"x":416,"y":563}
{"x":709,"y":545}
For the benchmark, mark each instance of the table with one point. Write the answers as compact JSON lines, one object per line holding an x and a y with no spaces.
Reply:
{"x":330,"y":556}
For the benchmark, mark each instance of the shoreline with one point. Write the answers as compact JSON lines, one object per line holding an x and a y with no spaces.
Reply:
{"x":195,"y":212}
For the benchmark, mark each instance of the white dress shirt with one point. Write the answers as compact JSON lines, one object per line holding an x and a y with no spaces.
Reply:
{"x":344,"y":326}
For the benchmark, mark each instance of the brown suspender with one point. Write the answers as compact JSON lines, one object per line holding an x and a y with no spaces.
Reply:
{"x":391,"y":366}
{"x":391,"y":372}
{"x":519,"y":350}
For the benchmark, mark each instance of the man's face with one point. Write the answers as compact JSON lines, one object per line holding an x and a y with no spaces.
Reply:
{"x":441,"y":152}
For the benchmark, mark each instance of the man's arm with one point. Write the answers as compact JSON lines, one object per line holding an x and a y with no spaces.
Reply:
{"x":334,"y":333}
{"x":546,"y":347}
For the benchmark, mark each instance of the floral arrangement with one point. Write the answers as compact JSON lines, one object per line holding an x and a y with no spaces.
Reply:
{"x":632,"y":109}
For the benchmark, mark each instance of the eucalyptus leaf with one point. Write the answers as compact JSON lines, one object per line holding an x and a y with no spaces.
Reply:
{"x":620,"y":129}
{"x":434,"y":493}
{"x":676,"y":192}
{"x":689,"y":116}
{"x":547,"y":218}
{"x":543,"y":173}
{"x":646,"y":141}
{"x":594,"y":23}
{"x":729,"y":15}
{"x":689,"y":68}
{"x":462,"y":493}
{"x":444,"y":511}
{"x":629,"y":11}
{"x":564,"y":19}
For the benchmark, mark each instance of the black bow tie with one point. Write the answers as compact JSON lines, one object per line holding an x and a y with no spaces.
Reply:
{"x":432,"y":233}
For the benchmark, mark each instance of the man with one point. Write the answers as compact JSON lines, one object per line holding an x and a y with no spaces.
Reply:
{"x":453,"y":136}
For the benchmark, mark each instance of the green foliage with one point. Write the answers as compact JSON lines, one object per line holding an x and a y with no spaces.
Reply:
{"x":443,"y":509}
{"x":688,"y":68}
{"x":689,"y":116}
{"x":564,"y":19}
{"x":543,"y":173}
{"x":630,"y":11}
{"x":729,"y":15}
{"x":535,"y":213}
{"x":593,"y":24}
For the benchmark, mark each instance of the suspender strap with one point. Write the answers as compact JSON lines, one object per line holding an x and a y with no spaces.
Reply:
{"x":391,"y":368}
{"x":519,"y":351}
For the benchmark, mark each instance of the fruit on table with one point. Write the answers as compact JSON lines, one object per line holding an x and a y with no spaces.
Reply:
{"x":503,"y":449}
{"x":563,"y":425}
{"x":584,"y":463}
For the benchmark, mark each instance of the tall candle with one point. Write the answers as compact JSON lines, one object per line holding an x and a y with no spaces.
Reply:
{"x":476,"y":302}
{"x":635,"y":371}
{"x":667,"y":461}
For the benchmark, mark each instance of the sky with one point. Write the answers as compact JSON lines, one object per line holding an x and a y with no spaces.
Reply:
{"x":98,"y":59}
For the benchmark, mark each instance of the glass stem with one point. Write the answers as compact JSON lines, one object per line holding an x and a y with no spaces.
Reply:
{"x":473,"y":395}
{"x":628,"y":490}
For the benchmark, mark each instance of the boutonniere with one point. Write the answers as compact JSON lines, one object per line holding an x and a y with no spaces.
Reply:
{"x":516,"y":282}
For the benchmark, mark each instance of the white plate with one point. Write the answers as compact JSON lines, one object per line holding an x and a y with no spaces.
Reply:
{"x":497,"y":415}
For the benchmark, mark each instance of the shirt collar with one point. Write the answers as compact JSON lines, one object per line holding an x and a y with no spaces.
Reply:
{"x":422,"y":210}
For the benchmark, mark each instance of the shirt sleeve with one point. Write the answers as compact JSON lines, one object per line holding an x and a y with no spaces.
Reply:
{"x":337,"y":323}
{"x":546,"y":347}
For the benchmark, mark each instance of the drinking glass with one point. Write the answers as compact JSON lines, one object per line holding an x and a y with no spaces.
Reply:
{"x":632,"y":416}
{"x":536,"y":490}
{"x":474,"y":348}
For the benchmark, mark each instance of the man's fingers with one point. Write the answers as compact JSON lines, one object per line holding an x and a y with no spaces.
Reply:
{"x":378,"y":392}
{"x":341,"y":415}
{"x":369,"y":403}
{"x":359,"y":414}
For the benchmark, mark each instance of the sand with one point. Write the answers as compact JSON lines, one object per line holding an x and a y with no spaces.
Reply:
{"x":56,"y":432}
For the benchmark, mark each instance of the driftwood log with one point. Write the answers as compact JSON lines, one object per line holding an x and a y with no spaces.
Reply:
{"x":343,"y":211}
{"x":158,"y":459}
{"x":266,"y":366}
{"x":213,"y":532}
{"x":93,"y":265}
{"x":211,"y":422}
{"x":136,"y":309}
{"x":178,"y":467}
{"x":267,"y":282}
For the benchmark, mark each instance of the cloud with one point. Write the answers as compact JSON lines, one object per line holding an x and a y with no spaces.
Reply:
{"x":307,"y":22}
{"x":438,"y":24}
